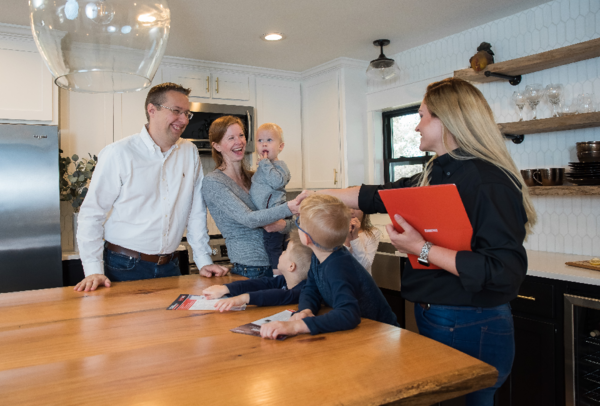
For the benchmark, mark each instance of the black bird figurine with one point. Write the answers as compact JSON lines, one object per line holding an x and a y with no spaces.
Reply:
{"x":483,"y":58}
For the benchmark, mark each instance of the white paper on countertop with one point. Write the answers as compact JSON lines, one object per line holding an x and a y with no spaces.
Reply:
{"x":197,"y":302}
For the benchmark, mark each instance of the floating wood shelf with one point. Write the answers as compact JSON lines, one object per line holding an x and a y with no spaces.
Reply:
{"x":564,"y":191}
{"x":534,"y":63}
{"x":545,"y":125}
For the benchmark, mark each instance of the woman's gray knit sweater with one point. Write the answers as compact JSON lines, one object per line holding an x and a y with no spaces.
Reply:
{"x":234,"y":213}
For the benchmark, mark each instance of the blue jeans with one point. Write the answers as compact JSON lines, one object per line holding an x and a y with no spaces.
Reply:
{"x":252,"y":272}
{"x":120,"y":268}
{"x":483,"y":333}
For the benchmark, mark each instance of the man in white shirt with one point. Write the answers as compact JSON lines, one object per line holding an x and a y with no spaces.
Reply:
{"x":144,"y":192}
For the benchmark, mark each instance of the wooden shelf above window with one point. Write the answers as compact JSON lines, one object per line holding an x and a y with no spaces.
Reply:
{"x":545,"y":125}
{"x":534,"y":63}
{"x":565,"y":190}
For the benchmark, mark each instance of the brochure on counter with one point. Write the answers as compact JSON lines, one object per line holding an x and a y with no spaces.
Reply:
{"x":253,"y":329}
{"x":197,"y":302}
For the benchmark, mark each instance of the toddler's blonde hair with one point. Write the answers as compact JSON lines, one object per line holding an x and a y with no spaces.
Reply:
{"x":326,"y":219}
{"x":273,"y":128}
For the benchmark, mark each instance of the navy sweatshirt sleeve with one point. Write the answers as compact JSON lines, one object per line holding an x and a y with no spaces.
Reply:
{"x":310,"y":298}
{"x":345,"y":313}
{"x":267,"y":291}
{"x":253,"y":285}
{"x":276,"y":297}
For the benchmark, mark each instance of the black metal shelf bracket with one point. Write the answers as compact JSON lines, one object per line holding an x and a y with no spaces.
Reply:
{"x":513,"y":80}
{"x":516,"y":138}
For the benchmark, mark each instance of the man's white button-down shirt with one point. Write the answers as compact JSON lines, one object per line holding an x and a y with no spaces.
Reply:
{"x":153,"y":196}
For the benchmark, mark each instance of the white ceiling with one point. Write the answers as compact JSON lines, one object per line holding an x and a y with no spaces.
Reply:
{"x":317,"y":30}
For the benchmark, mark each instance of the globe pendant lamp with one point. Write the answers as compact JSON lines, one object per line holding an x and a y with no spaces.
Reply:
{"x":97,"y":46}
{"x":382,"y":68}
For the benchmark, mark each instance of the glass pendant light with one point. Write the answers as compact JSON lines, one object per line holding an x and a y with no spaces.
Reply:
{"x":97,"y":46}
{"x":382,"y":68}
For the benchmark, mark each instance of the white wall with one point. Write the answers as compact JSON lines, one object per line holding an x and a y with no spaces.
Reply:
{"x":565,"y":224}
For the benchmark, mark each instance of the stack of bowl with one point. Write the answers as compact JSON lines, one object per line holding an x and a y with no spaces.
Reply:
{"x":587,"y":170}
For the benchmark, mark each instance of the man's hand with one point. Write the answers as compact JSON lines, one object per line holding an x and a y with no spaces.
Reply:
{"x":283,"y":328}
{"x":227,"y":304}
{"x":215,"y":291}
{"x":91,"y":282}
{"x":213,"y":269}
{"x":301,"y":315}
{"x":275,"y":227}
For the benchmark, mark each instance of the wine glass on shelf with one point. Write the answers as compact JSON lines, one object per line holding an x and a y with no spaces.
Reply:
{"x":533,"y":94}
{"x":553,"y":95}
{"x":584,"y":103}
{"x":519,"y":100}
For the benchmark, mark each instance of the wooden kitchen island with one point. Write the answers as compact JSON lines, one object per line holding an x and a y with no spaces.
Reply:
{"x":120,"y":346}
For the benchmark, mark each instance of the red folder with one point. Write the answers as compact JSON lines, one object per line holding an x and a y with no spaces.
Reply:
{"x":437,"y":212}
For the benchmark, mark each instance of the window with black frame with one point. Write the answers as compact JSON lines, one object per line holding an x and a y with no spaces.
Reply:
{"x":401,"y":154}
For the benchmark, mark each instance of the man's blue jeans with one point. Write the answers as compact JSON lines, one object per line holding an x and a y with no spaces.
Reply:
{"x":252,"y":272}
{"x":120,"y":268}
{"x":483,"y":333}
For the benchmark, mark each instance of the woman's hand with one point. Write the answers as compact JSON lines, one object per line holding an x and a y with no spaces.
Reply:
{"x":294,"y":206}
{"x":275,"y":227}
{"x":410,"y":241}
{"x":302,"y":196}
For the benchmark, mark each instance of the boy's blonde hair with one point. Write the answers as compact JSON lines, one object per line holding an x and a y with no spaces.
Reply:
{"x":273,"y":128}
{"x":326,"y":219}
{"x":300,"y":255}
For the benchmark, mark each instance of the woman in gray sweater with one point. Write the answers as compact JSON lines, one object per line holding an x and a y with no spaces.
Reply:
{"x":226,"y":192}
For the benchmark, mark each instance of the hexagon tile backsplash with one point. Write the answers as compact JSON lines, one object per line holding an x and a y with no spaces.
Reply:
{"x":565,"y":224}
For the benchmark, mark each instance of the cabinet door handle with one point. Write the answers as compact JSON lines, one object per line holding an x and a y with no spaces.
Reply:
{"x":526,"y":297}
{"x":217,"y":85}
{"x":208,"y":84}
{"x":334,"y":176}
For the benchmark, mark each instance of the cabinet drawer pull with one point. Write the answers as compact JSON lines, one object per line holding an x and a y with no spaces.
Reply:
{"x":335,"y":177}
{"x":208,"y":84}
{"x":217,"y":85}
{"x":526,"y":297}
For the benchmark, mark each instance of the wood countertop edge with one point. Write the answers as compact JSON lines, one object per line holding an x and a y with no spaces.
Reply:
{"x":452,"y":385}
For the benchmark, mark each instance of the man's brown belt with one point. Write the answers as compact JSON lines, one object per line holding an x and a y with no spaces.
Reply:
{"x":157,"y":259}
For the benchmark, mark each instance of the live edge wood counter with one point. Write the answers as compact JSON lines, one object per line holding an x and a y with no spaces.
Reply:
{"x":119,"y":346}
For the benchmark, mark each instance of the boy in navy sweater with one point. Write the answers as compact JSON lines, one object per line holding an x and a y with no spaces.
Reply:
{"x":335,"y":277}
{"x":280,"y":290}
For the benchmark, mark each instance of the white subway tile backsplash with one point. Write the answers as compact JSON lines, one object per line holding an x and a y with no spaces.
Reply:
{"x":571,"y":221}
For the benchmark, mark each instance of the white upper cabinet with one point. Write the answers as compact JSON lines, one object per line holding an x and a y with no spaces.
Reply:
{"x":130,"y":111}
{"x":209,"y":85}
{"x":26,"y":85}
{"x":278,"y":101}
{"x":230,"y":86}
{"x":196,"y":80}
{"x":321,"y":131}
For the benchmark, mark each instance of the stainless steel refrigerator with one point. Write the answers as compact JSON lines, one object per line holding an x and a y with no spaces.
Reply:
{"x":30,"y":251}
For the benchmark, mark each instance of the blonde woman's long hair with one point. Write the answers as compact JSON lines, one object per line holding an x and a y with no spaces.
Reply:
{"x":466,"y":116}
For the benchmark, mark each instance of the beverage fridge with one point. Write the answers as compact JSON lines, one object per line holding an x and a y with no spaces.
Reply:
{"x":30,"y":249}
{"x":582,"y":350}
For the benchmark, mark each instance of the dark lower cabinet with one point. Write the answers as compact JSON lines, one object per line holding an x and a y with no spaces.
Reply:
{"x":533,"y":378}
{"x":537,"y":376}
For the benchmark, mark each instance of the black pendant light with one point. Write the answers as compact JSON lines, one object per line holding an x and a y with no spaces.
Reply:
{"x":382,"y":68}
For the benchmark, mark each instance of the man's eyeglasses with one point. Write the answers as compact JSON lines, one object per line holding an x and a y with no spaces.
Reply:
{"x":297,"y":221}
{"x":178,"y":112}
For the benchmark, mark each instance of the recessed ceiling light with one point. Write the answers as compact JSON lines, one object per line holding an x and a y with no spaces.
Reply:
{"x":272,"y":36}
